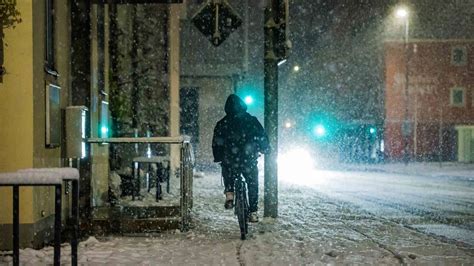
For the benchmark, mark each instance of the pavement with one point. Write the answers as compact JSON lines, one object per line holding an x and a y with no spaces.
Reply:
{"x":313,"y":227}
{"x":428,"y":169}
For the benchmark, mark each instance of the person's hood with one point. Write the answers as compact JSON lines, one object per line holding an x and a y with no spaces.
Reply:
{"x":234,"y":105}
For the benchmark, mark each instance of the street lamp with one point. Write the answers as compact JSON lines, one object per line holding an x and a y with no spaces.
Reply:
{"x":403,"y":14}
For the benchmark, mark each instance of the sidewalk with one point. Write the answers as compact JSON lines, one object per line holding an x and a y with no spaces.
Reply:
{"x":311,"y":229}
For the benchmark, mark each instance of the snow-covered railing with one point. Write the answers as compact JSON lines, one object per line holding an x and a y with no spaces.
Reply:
{"x":66,"y":174}
{"x":18,"y":179}
{"x":186,"y":166}
{"x":168,"y":140}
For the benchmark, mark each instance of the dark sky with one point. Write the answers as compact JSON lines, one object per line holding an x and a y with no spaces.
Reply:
{"x":339,"y":47}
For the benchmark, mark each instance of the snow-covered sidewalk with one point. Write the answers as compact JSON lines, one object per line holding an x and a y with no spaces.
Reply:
{"x":311,"y":229}
{"x":428,"y":169}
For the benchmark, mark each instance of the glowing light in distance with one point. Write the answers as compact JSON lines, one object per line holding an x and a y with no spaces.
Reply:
{"x":401,"y":12}
{"x":104,"y":130}
{"x":298,"y":167}
{"x":288,"y":124}
{"x":372,"y":130}
{"x":281,"y":62}
{"x":319,"y":130}
{"x":248,"y":99}
{"x":296,"y":68}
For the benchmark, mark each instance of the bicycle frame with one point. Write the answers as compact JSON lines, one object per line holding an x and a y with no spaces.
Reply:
{"x":241,"y":204}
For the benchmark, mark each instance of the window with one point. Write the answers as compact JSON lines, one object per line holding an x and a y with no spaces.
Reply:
{"x":53,"y":116}
{"x":49,"y":66}
{"x":457,"y":97}
{"x":459,"y":56}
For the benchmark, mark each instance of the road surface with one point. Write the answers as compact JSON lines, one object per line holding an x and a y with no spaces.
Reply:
{"x":442,"y":205}
{"x":328,"y":217}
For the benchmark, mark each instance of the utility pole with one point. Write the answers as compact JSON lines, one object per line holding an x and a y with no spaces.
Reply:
{"x":271,"y":115}
{"x":276,"y":16}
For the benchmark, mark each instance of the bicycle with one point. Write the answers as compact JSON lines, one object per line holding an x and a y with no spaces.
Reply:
{"x":241,"y":205}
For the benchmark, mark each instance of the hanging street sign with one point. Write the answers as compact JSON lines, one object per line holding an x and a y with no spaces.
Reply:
{"x":216,"y":20}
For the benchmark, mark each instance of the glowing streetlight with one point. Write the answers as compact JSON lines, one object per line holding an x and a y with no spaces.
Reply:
{"x":401,"y":12}
{"x":288,"y":125}
{"x":296,"y":68}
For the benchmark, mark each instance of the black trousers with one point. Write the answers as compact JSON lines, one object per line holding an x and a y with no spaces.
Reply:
{"x":250,"y":172}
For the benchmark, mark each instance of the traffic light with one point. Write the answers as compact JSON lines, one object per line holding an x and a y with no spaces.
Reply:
{"x":372,"y":130}
{"x":248,"y":100}
{"x":319,"y":130}
{"x":104,"y":120}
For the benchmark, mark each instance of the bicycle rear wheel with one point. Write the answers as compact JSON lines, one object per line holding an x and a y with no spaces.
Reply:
{"x":242,"y":209}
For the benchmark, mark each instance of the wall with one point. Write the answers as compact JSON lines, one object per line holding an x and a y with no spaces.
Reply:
{"x":22,"y":120}
{"x":99,"y":82}
{"x":431,"y":116}
{"x":16,"y":110}
{"x":213,"y":92}
{"x":219,"y":71}
{"x":174,"y":81}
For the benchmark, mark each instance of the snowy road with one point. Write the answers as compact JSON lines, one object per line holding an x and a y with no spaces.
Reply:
{"x":338,"y":217}
{"x":439,"y":205}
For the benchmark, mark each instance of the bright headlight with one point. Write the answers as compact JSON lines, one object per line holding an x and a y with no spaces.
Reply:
{"x":296,"y":166}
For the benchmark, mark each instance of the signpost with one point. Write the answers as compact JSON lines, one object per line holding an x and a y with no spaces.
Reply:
{"x":216,"y":20}
{"x":275,"y":52}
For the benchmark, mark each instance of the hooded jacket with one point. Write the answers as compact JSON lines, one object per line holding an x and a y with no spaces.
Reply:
{"x":239,"y":136}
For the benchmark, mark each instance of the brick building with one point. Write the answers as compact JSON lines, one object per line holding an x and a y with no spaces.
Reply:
{"x":439,"y":98}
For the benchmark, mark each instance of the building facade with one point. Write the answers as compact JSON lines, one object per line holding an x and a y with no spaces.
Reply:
{"x":56,"y":54}
{"x":423,"y":116}
{"x":210,"y":73}
{"x":36,"y":60}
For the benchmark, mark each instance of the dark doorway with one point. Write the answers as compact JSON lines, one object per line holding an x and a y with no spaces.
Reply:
{"x":189,"y":115}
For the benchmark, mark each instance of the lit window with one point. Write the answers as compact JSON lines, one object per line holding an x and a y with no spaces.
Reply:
{"x":457,"y":97}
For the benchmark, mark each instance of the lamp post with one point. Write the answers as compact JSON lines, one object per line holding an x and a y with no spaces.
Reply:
{"x":402,"y":13}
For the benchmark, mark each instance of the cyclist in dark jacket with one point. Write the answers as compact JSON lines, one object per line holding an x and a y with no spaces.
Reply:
{"x":238,"y":139}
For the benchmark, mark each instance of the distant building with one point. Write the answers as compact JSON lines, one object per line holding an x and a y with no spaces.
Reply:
{"x":440,"y":97}
{"x":208,"y":74}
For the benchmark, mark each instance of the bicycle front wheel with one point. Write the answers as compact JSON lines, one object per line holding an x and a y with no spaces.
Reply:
{"x":242,"y":211}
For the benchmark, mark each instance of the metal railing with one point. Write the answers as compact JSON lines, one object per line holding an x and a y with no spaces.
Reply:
{"x":185,"y":172}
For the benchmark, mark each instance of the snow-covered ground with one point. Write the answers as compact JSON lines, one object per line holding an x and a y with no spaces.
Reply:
{"x":335,"y":217}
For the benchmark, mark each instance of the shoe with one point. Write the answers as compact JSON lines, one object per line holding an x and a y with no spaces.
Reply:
{"x":253,"y":217}
{"x":229,"y":200}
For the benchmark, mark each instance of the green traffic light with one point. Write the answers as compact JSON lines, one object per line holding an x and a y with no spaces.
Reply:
{"x":319,"y":130}
{"x":104,"y":131}
{"x":248,"y":100}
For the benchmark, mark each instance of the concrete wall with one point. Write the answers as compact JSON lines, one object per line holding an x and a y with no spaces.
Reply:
{"x":99,"y":82}
{"x":174,"y":81}
{"x":213,"y":92}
